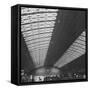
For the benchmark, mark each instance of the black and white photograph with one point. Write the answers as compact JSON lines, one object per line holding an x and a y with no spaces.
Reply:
{"x":52,"y":44}
{"x":44,"y":45}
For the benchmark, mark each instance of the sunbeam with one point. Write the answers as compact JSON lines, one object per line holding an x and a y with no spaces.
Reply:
{"x":37,"y":25}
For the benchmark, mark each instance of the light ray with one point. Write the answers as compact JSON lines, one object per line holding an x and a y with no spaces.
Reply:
{"x":77,"y":49}
{"x":37,"y":26}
